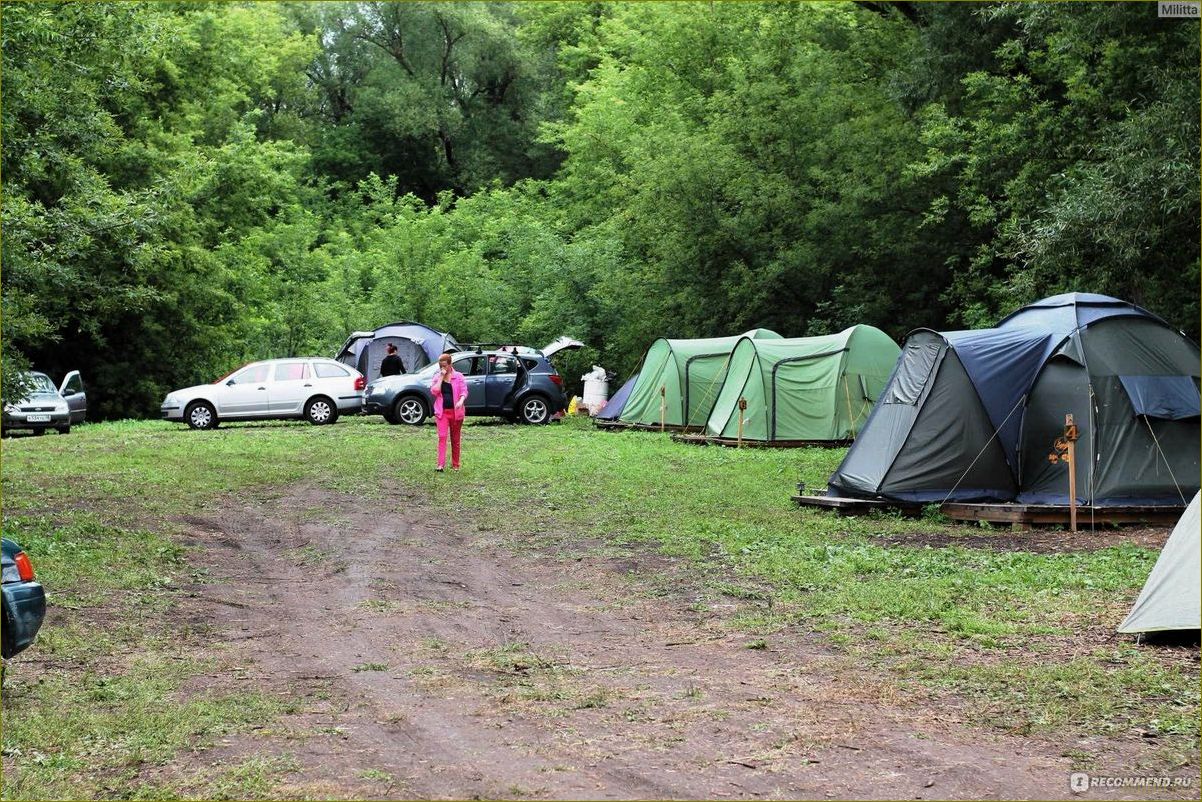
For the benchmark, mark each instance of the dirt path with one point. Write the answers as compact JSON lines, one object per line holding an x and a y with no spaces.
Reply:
{"x":436,"y":662}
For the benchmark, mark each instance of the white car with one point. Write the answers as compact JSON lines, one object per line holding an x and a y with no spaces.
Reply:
{"x":313,"y":388}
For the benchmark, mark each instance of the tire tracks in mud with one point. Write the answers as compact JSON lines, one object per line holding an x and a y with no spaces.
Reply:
{"x":433,"y":661}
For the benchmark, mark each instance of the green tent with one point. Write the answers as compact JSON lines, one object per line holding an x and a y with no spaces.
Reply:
{"x":690,"y":372}
{"x":804,"y":389}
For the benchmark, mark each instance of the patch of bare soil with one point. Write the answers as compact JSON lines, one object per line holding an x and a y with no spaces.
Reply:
{"x":435,"y":661}
{"x":1039,"y":541}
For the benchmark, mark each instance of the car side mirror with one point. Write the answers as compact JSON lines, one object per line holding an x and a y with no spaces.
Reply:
{"x":68,"y":393}
{"x":230,"y":383}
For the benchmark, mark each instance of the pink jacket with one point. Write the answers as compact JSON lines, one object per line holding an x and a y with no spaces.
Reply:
{"x":458,"y":392}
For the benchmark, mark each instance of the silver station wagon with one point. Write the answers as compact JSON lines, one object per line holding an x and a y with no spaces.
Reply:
{"x":311,"y":388}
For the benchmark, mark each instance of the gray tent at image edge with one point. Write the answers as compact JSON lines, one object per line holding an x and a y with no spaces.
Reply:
{"x":1171,"y":599}
{"x":971,"y":416}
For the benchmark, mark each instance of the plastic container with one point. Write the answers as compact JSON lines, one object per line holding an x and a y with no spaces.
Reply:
{"x":596,"y":389}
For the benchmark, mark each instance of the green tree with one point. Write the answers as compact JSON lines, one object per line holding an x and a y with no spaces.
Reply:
{"x":1065,"y":157}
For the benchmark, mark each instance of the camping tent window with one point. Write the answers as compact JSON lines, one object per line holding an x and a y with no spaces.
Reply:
{"x":913,"y":372}
{"x":1164,"y":397}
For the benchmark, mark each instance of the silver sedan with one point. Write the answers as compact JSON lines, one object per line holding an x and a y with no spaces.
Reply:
{"x":310,"y":388}
{"x":47,"y":407}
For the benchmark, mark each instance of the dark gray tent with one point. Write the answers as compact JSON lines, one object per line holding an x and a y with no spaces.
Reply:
{"x":972,"y":415}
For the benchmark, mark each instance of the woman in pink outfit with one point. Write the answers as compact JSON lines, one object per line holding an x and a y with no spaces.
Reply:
{"x":449,"y":389}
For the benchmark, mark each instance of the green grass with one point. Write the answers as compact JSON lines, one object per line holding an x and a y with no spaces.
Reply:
{"x":96,"y":510}
{"x":92,"y":734}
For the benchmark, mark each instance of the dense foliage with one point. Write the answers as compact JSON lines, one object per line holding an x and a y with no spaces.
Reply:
{"x":187,"y":186}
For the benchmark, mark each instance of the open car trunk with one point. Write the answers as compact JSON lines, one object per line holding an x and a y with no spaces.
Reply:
{"x":560,"y":344}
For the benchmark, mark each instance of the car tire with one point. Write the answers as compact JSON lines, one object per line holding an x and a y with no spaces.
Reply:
{"x":201,"y":415}
{"x":410,"y":410}
{"x":321,"y":411}
{"x":63,"y":429}
{"x":534,"y":409}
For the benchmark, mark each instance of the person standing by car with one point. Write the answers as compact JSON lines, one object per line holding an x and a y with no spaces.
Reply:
{"x":392,"y":365}
{"x":449,"y":389}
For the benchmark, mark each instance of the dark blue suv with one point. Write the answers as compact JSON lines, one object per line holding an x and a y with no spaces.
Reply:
{"x":516,"y":383}
{"x":24,"y":600}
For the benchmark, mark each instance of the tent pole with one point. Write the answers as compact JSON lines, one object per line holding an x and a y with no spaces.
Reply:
{"x":742,"y":409}
{"x":663,"y":406}
{"x":851,"y":419}
{"x":1070,"y":434}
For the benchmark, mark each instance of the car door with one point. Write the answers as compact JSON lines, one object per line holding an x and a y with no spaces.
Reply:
{"x":472,"y":368}
{"x":291,"y":385}
{"x":77,"y":400}
{"x":502,"y":374}
{"x":245,"y":394}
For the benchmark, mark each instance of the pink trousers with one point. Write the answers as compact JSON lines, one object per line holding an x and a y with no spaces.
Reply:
{"x":448,"y":425}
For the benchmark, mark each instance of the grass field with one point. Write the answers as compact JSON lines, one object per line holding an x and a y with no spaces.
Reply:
{"x":1018,"y":641}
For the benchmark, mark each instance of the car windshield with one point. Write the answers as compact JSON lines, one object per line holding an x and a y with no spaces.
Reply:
{"x":40,"y":383}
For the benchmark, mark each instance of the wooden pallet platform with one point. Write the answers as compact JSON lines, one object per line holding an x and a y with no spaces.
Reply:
{"x":691,"y":439}
{"x":731,"y":442}
{"x":1022,"y":515}
{"x":614,"y":425}
{"x":857,"y":506}
{"x":1019,"y":516}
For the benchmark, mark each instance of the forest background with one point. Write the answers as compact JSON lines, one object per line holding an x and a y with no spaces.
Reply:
{"x":189,"y":186}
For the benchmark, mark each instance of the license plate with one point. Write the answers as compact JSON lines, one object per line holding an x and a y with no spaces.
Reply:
{"x":38,"y":418}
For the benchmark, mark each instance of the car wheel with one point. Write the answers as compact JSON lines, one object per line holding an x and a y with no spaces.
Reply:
{"x":321,"y":411}
{"x":201,"y":415}
{"x":535,"y":409}
{"x":64,"y":429}
{"x":410,"y":410}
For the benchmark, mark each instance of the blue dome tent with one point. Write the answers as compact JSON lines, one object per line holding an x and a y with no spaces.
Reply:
{"x":970,"y":416}
{"x":417,"y":345}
